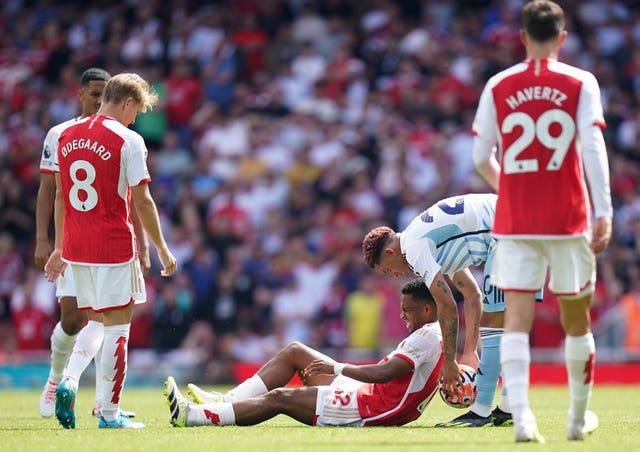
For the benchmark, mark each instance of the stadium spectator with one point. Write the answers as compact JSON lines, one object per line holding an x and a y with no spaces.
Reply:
{"x":364,"y":309}
{"x":172,"y":314}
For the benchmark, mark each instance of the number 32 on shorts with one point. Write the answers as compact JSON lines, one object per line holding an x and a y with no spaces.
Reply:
{"x":540,"y":129}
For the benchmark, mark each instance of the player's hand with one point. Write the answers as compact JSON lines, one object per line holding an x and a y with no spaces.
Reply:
{"x":318,"y":367}
{"x":450,"y":377}
{"x":168,"y":262}
{"x":145,"y":261}
{"x":42,"y":253}
{"x":601,"y":234}
{"x":55,"y":266}
{"x":470,"y":359}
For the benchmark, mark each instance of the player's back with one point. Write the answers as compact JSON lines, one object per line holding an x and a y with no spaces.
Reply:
{"x":540,"y":107}
{"x":455,"y":232}
{"x":93,"y":176}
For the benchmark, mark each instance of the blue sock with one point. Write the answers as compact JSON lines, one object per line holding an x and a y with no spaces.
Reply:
{"x":489,"y":367}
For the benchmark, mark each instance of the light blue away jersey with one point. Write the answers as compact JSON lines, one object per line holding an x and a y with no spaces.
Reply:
{"x":451,"y":235}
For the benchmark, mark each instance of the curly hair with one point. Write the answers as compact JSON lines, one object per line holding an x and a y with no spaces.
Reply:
{"x":418,"y":290}
{"x":373,"y":244}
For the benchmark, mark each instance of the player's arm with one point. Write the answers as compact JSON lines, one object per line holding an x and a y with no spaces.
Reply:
{"x":381,"y":372}
{"x":448,"y":320}
{"x":148,"y":213}
{"x":485,"y":140}
{"x":55,"y":266}
{"x":596,"y":164}
{"x":44,"y":208}
{"x":142,"y":241}
{"x":468,"y":287}
{"x":487,"y":167}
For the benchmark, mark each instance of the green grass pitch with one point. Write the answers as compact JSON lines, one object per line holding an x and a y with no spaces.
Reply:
{"x":22,"y":429}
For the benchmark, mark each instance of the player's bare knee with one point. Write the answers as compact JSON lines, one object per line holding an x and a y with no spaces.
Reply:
{"x":71,"y":319}
{"x":279,"y":397}
{"x":72,"y":323}
{"x":292,"y":348}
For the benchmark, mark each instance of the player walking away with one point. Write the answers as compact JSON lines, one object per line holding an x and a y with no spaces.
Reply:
{"x":100,"y":165}
{"x":394,"y":391}
{"x":447,"y":239}
{"x":546,"y":117}
{"x":69,"y":329}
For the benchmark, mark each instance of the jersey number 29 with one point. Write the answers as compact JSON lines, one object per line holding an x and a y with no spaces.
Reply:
{"x":540,"y":129}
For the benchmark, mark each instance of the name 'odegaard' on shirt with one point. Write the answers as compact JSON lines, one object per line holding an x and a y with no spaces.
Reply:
{"x":536,"y":93}
{"x":86,"y":143}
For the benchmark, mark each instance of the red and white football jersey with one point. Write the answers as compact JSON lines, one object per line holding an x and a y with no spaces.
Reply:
{"x":99,"y":159}
{"x":541,"y":115}
{"x":403,"y":399}
{"x":50,"y":145}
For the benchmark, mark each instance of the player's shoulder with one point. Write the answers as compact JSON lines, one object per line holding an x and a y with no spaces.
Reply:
{"x":584,"y":76}
{"x":59,"y":128}
{"x":428,"y":330}
{"x":564,"y":68}
{"x":506,"y":73}
{"x":126,"y":133}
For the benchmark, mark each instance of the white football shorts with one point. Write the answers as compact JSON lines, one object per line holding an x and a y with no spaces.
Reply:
{"x":102,"y":288}
{"x":337,"y":404}
{"x":65,"y":285}
{"x":522,"y":264}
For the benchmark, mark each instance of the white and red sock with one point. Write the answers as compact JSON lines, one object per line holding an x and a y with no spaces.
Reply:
{"x":99,"y":380}
{"x":212,"y":414}
{"x":113,"y":368}
{"x":251,"y":387}
{"x":579,"y":353}
{"x":85,"y":348}
{"x":515,"y":358}
{"x":61,"y":346}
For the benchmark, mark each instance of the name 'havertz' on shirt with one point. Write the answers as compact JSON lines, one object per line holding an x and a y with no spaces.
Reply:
{"x":86,"y":143}
{"x":536,"y":93}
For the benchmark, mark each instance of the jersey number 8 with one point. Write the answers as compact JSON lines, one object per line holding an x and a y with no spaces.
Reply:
{"x":83,"y":185}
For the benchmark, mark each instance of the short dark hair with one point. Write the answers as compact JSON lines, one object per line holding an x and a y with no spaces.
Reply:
{"x":373,"y":244}
{"x":419,"y":291}
{"x":543,"y":20}
{"x":92,"y":74}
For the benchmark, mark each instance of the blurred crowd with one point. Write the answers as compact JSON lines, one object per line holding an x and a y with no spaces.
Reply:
{"x":286,"y":130}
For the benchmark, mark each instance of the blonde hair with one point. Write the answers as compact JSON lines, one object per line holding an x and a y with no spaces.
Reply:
{"x":128,"y":84}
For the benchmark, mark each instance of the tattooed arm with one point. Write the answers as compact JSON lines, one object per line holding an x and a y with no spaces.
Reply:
{"x":468,"y":287}
{"x":448,"y":319}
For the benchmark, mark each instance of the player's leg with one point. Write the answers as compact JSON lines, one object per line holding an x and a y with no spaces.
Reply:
{"x":573,"y":271}
{"x":113,"y":367}
{"x":87,"y":344}
{"x":489,"y":367}
{"x":277,"y":372}
{"x":519,"y":270}
{"x":97,"y":405}
{"x":580,"y":363}
{"x":62,"y":339}
{"x":116,"y":288}
{"x":298,"y":403}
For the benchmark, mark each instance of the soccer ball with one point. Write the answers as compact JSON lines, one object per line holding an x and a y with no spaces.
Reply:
{"x":469,"y":389}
